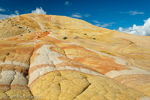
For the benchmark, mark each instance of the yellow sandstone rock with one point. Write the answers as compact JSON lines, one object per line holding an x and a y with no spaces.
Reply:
{"x":48,"y":57}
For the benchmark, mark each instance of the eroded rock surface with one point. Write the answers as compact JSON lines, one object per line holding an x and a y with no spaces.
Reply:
{"x":47,"y":57}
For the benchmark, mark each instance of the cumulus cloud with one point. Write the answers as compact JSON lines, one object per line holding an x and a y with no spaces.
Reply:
{"x":2,"y":10}
{"x":133,"y":12}
{"x":67,"y":3}
{"x":39,"y":11}
{"x":3,"y":16}
{"x":138,"y":30}
{"x":103,"y":24}
{"x":76,"y":15}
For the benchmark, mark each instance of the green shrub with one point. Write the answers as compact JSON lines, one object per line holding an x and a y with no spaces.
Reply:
{"x":65,"y":38}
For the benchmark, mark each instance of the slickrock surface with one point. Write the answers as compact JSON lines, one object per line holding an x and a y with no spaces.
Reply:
{"x":48,"y":57}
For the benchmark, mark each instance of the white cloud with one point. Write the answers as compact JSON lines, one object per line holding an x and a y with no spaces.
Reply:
{"x":2,"y":10}
{"x":87,"y":15}
{"x":95,"y":21}
{"x":76,"y":15}
{"x":138,"y":30}
{"x":133,"y":12}
{"x":105,"y":24}
{"x":39,"y":11}
{"x":16,"y":12}
{"x":102,"y":24}
{"x":67,"y":3}
{"x":3,"y":16}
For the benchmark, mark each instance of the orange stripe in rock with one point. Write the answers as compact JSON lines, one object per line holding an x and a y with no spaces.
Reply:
{"x":14,"y":68}
{"x":39,"y":66}
{"x":17,"y":86}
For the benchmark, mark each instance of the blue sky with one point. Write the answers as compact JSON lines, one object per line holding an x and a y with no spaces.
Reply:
{"x":129,"y":16}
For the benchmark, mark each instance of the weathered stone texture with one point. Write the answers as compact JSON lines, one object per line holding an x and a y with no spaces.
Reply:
{"x":47,"y":57}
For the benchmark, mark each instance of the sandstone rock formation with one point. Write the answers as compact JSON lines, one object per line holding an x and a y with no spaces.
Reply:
{"x":47,"y":57}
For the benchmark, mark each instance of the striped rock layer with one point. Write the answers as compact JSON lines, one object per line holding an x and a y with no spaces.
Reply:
{"x":47,"y":57}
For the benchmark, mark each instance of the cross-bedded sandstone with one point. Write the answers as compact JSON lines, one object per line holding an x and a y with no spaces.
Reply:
{"x":47,"y":57}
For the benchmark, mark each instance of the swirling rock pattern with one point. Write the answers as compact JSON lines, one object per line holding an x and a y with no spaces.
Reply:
{"x":48,"y":57}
